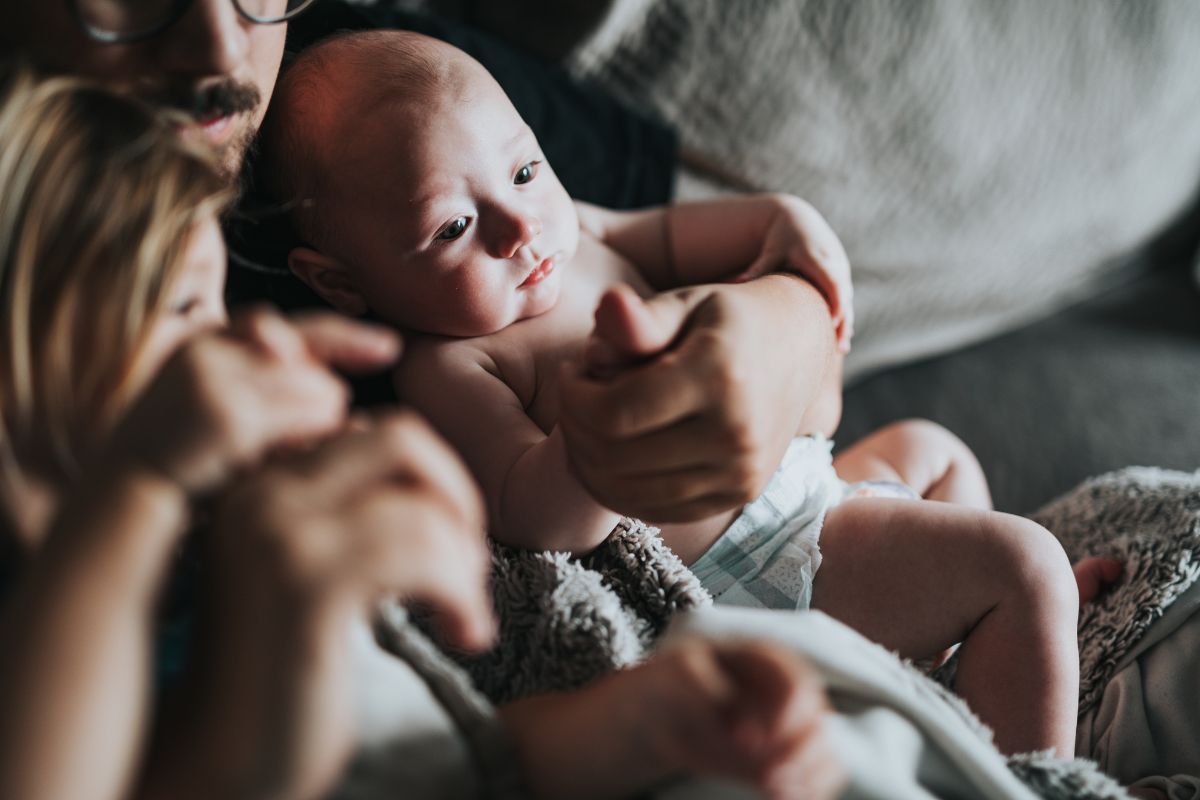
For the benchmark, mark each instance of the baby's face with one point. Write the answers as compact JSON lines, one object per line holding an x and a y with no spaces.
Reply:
{"x":462,"y":228}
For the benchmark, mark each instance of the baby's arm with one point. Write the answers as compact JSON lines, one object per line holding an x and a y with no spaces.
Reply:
{"x":534,"y":500}
{"x":735,"y":238}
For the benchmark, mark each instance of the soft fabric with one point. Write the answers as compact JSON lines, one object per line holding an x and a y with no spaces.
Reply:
{"x":565,"y":623}
{"x":423,"y":732}
{"x":1147,"y":518}
{"x":1097,"y":387}
{"x":1143,"y":728}
{"x":900,"y":735}
{"x":984,"y":162}
{"x":770,"y":553}
{"x":1140,"y":665}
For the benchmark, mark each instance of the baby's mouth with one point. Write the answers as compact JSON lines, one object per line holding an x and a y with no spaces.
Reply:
{"x":539,"y":274}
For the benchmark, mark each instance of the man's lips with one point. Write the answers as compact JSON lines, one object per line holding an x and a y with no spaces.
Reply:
{"x":216,"y":128}
{"x":539,"y":274}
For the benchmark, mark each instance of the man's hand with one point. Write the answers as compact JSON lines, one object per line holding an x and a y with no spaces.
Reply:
{"x":799,"y":240}
{"x":707,"y":387}
{"x":225,"y":399}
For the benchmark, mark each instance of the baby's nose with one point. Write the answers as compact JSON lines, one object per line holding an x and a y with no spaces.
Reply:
{"x":522,"y":229}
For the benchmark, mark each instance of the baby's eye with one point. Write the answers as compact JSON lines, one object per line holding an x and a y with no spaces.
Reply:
{"x":453,"y":230}
{"x":526,"y":173}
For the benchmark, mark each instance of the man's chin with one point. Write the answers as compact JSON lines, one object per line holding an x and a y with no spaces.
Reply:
{"x":228,"y":136}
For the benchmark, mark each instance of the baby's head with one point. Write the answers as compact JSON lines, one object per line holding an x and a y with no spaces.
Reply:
{"x":420,"y":192}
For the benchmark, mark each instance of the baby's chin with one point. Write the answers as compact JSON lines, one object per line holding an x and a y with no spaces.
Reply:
{"x":541,"y":298}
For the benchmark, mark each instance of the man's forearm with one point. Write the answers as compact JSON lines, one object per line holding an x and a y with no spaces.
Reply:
{"x":803,"y":345}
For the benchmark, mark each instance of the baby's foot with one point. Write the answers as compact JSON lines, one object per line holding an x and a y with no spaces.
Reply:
{"x":1094,"y":575}
{"x":751,"y":712}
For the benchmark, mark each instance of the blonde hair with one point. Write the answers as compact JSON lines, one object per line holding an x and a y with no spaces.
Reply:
{"x":98,"y":195}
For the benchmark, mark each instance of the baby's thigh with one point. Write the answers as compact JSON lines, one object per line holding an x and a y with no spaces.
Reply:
{"x":916,"y":575}
{"x":915,"y":452}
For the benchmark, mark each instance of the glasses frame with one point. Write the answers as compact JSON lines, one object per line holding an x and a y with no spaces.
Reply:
{"x":178,"y":9}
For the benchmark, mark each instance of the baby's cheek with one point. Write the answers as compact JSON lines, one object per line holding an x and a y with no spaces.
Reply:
{"x":481,"y":305}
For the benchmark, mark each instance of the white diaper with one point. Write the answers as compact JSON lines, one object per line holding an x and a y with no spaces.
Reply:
{"x":768,"y":556}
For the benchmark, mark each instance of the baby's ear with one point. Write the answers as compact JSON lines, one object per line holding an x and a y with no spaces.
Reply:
{"x":329,"y":278}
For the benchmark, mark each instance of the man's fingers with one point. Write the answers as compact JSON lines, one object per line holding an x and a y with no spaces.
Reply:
{"x":690,"y":444}
{"x":347,"y":344}
{"x":635,"y":402}
{"x":676,"y":488}
{"x":690,"y":511}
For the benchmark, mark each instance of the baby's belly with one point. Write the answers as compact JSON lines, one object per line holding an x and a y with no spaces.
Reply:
{"x":690,"y":540}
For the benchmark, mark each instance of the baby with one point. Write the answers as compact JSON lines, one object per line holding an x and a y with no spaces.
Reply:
{"x":427,"y":201}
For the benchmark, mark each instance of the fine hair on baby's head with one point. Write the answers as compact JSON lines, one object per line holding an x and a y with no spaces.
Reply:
{"x":418,"y":191}
{"x":101,"y":194}
{"x":324,"y":96}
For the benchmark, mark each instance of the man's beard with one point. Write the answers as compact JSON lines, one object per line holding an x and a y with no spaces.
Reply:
{"x":228,"y":98}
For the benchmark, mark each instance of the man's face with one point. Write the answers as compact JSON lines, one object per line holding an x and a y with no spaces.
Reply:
{"x":212,"y":63}
{"x":460,"y":227}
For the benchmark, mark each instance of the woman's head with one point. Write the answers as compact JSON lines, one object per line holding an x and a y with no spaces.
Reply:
{"x":110,"y":256}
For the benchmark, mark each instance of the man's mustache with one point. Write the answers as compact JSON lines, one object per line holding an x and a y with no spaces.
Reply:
{"x":223,"y":99}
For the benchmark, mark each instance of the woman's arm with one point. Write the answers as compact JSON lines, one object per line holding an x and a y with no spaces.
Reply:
{"x":74,"y":677}
{"x":77,"y":632}
{"x":298,"y":553}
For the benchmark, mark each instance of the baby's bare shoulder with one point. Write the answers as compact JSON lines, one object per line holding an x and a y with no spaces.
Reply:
{"x":438,"y":363}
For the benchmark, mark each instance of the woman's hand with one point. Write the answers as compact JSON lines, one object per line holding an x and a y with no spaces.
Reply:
{"x":299,"y":551}
{"x":224,"y":399}
{"x":384,"y":508}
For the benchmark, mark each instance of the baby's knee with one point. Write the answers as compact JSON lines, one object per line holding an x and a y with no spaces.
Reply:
{"x":1034,"y":563}
{"x":927,"y":436}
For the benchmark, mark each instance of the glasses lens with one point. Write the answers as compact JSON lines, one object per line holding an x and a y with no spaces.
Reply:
{"x":269,"y":11}
{"x":124,"y":18}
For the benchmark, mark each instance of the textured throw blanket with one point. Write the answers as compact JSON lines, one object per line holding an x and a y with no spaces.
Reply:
{"x":566,"y":621}
{"x":984,"y":162}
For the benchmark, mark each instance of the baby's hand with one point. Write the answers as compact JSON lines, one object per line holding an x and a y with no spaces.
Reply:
{"x":1094,"y":575}
{"x":630,"y":330}
{"x":799,"y":240}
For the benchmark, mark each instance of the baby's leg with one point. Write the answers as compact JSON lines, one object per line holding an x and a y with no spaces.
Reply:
{"x":923,"y":455}
{"x":750,"y":711}
{"x":918,"y":577}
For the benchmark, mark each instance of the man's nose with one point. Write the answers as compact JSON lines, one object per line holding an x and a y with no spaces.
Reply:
{"x":514,"y":230}
{"x":208,"y":40}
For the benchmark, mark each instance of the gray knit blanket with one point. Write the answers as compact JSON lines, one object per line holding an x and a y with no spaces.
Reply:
{"x":983,"y":162}
{"x":566,"y":621}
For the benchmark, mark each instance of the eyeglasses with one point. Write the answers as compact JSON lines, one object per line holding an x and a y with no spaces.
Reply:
{"x":124,"y":21}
